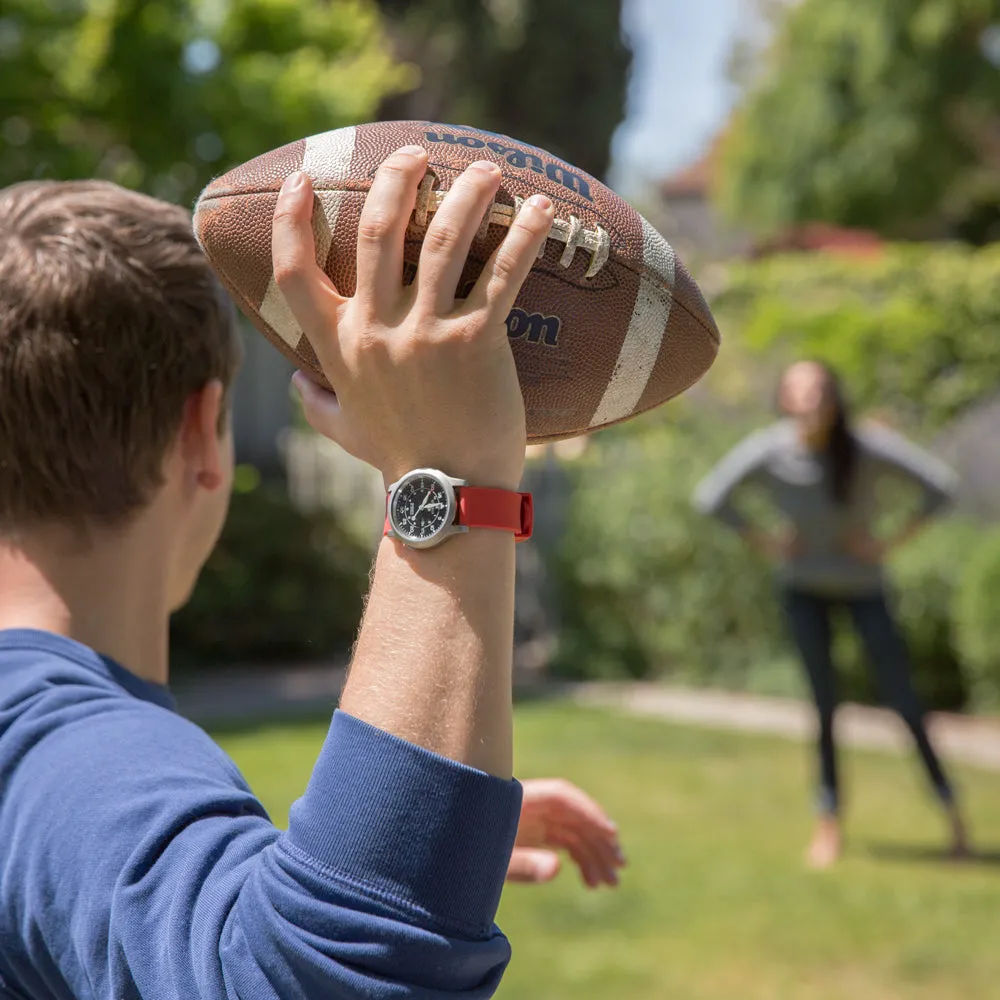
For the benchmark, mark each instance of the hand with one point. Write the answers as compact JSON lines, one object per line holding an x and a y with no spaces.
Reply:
{"x":783,"y":544}
{"x":556,"y":814}
{"x":420,"y":378}
{"x":866,"y":548}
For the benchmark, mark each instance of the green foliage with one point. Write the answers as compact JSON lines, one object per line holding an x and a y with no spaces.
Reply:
{"x":915,"y":331}
{"x":162,"y":95}
{"x":280,"y":585}
{"x":977,"y":622}
{"x":649,"y":586}
{"x":926,"y":574}
{"x":714,"y":903}
{"x":526,"y":68}
{"x":878,"y":114}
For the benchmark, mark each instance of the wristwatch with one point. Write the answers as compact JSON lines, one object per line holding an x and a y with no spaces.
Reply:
{"x":425,"y":507}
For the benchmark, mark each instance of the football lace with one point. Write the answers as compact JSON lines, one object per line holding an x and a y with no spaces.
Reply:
{"x":570,"y":231}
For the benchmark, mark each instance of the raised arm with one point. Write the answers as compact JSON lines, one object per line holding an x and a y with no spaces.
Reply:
{"x":425,"y":381}
{"x":173,"y":882}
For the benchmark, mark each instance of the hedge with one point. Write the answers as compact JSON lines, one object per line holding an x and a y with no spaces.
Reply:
{"x":915,"y":330}
{"x":281,"y":585}
{"x":977,"y":624}
{"x":651,"y":589}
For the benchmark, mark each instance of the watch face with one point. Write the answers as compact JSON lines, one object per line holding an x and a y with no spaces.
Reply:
{"x":420,"y":508}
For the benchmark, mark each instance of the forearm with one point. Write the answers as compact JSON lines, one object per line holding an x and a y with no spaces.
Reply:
{"x":937,"y":481}
{"x":433,"y":661}
{"x":715,"y":495}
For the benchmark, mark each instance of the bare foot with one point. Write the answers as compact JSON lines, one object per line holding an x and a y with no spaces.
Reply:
{"x":824,"y":851}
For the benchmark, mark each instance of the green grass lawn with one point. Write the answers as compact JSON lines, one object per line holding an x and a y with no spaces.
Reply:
{"x":715,"y":903}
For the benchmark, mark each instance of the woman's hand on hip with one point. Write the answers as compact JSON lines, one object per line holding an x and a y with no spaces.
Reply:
{"x":865,"y":547}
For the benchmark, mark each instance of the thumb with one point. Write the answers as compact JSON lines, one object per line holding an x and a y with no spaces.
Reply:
{"x":529,"y":864}
{"x":320,"y":407}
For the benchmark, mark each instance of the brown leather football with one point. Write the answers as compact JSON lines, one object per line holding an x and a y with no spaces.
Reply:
{"x":607,"y":325}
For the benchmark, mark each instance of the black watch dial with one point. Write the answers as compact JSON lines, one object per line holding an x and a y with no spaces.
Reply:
{"x":420,"y":508}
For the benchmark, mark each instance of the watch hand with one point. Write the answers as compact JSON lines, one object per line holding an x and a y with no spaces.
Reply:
{"x":430,"y":493}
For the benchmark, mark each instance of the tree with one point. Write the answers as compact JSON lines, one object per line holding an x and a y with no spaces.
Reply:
{"x":163,"y":94}
{"x":549,"y":72}
{"x":882,"y":114}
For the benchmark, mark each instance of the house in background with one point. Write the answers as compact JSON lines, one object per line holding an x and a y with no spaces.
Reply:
{"x":820,"y":236}
{"x":318,"y":472}
{"x":684,"y":211}
{"x":262,"y":404}
{"x":969,"y":447}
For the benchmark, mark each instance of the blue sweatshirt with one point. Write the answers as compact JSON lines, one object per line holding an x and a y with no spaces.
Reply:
{"x":136,"y":862}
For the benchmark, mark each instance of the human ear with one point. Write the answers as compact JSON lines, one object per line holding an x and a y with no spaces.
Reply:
{"x":201,"y":443}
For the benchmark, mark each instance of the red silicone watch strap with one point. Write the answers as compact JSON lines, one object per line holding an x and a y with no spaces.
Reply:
{"x":482,"y":507}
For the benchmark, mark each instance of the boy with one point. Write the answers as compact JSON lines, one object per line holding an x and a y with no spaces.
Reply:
{"x":134,"y":860}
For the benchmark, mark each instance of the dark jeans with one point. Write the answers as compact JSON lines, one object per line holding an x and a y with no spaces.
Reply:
{"x":809,"y":620}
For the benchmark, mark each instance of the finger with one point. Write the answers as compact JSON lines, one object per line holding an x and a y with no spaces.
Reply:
{"x":569,"y":803}
{"x":607,"y":850}
{"x":600,"y":843}
{"x":580,"y":803}
{"x":594,"y":870}
{"x":506,"y":270}
{"x":309,"y":293}
{"x":535,"y":866}
{"x":382,"y":230}
{"x":449,"y":236}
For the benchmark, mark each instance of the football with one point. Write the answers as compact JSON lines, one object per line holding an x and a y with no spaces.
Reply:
{"x":607,"y":325}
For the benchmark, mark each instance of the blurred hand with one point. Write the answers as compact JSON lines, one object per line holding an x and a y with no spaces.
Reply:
{"x":866,"y":548}
{"x":420,"y":379}
{"x":555,"y":815}
{"x":779,"y":545}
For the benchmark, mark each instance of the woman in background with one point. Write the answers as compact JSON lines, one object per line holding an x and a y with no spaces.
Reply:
{"x":821,"y":474}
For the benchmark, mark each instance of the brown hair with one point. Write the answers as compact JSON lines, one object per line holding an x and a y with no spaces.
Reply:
{"x":109,"y":319}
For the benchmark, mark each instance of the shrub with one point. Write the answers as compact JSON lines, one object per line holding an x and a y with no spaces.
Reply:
{"x":926,"y":575}
{"x":915,"y":331}
{"x":977,"y":623}
{"x":651,"y":588}
{"x":280,"y":585}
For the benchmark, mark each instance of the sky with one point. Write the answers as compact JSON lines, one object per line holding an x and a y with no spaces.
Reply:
{"x":678,"y":94}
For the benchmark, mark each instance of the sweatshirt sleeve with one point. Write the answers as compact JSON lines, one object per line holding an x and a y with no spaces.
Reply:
{"x":902,"y":458}
{"x":142,"y":865}
{"x":714,"y":494}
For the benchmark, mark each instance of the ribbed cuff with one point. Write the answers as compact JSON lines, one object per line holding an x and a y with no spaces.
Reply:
{"x":398,"y":820}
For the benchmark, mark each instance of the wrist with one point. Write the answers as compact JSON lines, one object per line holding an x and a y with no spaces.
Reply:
{"x":427,"y":506}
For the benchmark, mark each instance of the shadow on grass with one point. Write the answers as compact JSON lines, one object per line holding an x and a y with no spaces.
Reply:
{"x":910,"y":853}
